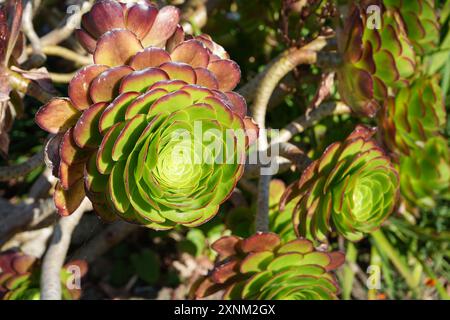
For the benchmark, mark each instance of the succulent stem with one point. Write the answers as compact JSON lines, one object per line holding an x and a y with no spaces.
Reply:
{"x":65,"y":53}
{"x":287,"y":62}
{"x":302,"y":123}
{"x":61,"y":77}
{"x":26,"y":86}
{"x":57,"y":251}
{"x":348,"y":276}
{"x":22,"y":169}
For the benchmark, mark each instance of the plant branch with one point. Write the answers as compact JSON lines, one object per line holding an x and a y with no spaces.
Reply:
{"x":195,"y":14}
{"x":248,"y":91}
{"x":254,"y":170}
{"x":28,"y":29}
{"x":22,"y":216}
{"x":67,"y":54}
{"x":59,"y":35}
{"x":304,"y":122}
{"x":56,"y":254}
{"x":61,"y":77}
{"x":287,"y":62}
{"x":295,"y":154}
{"x":22,"y":169}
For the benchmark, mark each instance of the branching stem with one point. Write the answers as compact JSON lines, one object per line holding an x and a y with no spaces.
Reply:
{"x":284,"y":64}
{"x":22,"y":169}
{"x":56,"y":254}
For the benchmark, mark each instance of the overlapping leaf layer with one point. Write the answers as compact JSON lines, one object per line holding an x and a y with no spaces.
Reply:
{"x":352,"y":187}
{"x":415,"y":114}
{"x":377,"y":54}
{"x":263,"y":267}
{"x":152,"y":132}
{"x":20,"y":277}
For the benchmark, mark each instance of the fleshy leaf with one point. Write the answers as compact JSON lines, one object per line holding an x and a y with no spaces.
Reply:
{"x":149,"y":57}
{"x":191,"y":52}
{"x":227,"y":72}
{"x":80,"y":84}
{"x":68,"y":201}
{"x":106,"y":86}
{"x":116,"y":48}
{"x":165,"y":24}
{"x":57,"y":115}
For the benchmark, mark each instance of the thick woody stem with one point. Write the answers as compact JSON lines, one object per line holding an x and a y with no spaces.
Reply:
{"x":73,"y":21}
{"x":248,"y":91}
{"x":20,"y":170}
{"x":23,"y":216}
{"x":28,"y":29}
{"x":56,"y":254}
{"x":287,"y":62}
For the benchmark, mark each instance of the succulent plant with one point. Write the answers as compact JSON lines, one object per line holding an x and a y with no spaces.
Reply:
{"x":415,"y":114}
{"x":374,"y":59}
{"x":353,"y":186}
{"x":262,"y":267}
{"x":425,"y":173}
{"x":421,"y":23}
{"x":127,"y":136}
{"x":151,"y":26}
{"x":20,"y":277}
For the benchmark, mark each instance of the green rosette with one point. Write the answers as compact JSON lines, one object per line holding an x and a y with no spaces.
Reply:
{"x":351,"y":189}
{"x":262,"y":267}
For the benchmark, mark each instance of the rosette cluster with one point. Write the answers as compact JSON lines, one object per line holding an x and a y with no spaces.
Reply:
{"x":425,"y":173}
{"x":352,"y":187}
{"x":262,"y":267}
{"x":152,"y":133}
{"x":377,"y":55}
{"x":20,"y":277}
{"x":415,"y":114}
{"x":420,"y":21}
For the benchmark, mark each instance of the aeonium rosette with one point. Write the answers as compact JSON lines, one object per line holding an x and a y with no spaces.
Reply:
{"x":153,"y":135}
{"x":425,"y":173}
{"x":416,"y":114}
{"x":263,"y":267}
{"x":20,"y":277}
{"x":352,"y":188}
{"x":376,"y":59}
{"x":421,"y":23}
